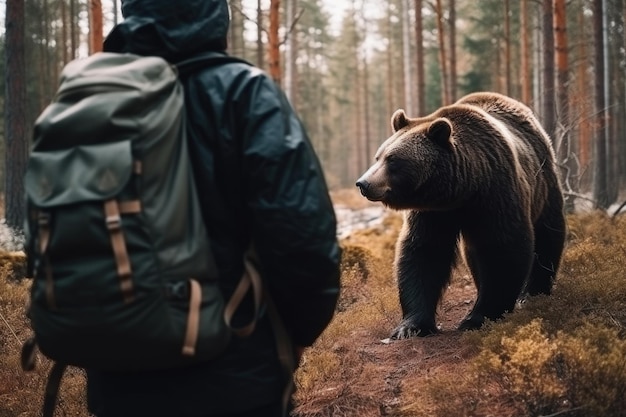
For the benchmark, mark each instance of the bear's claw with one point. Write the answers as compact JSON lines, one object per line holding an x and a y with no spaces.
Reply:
{"x":408,"y":330}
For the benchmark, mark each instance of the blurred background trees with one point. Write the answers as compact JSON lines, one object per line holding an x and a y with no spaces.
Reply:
{"x":346,"y":65}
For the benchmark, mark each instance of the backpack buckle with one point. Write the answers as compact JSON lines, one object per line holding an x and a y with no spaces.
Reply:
{"x":178,"y":290}
{"x":113,"y":222}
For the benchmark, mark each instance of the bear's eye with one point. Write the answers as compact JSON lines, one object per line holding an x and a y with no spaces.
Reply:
{"x":391,"y":161}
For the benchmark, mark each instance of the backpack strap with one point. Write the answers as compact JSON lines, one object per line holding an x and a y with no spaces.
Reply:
{"x":43,"y":226}
{"x":52,"y":389}
{"x":118,"y":242}
{"x":193,"y":318}
{"x":113,"y":210}
{"x":285,"y":349}
{"x":250,"y":278}
{"x":284,"y":346}
{"x":205,"y":60}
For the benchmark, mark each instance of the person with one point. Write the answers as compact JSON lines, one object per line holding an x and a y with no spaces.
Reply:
{"x":260,"y":182}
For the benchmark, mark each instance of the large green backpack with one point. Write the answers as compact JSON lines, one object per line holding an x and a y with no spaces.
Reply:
{"x":123,"y":274}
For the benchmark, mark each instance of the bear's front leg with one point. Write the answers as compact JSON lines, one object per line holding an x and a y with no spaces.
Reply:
{"x":425,"y":255}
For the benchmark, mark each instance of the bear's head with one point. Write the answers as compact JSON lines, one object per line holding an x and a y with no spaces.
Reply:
{"x":410,"y":166}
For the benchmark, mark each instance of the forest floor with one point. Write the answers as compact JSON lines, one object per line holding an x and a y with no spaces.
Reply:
{"x":539,"y":361}
{"x":563,"y":355}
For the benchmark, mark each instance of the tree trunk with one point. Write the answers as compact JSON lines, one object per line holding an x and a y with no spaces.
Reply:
{"x":73,"y":29}
{"x":525,"y":54}
{"x":600,"y":188}
{"x":95,"y":26}
{"x":273,"y":42}
{"x":582,"y":82}
{"x":537,"y":68}
{"x":406,"y":57}
{"x":291,"y":52}
{"x":507,"y":47}
{"x":611,"y":149}
{"x":15,"y":129}
{"x":391,"y":93}
{"x":236,"y":41}
{"x":43,"y":62}
{"x":420,"y":109}
{"x":445,"y":93}
{"x":549,"y":119}
{"x":260,"y":50}
{"x":560,"y":38}
{"x":452,"y":53}
{"x":115,"y":13}
{"x":64,"y":33}
{"x":563,"y":128}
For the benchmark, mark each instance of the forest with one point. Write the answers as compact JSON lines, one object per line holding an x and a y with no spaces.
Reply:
{"x":565,"y":59}
{"x":346,"y":66}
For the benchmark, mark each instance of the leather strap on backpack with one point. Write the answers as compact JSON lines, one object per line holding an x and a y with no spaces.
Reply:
{"x":250,"y":279}
{"x":52,"y":389}
{"x":284,"y":346}
{"x":285,"y":350}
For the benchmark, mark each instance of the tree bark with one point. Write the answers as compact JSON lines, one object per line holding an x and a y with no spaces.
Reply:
{"x":406,"y":57}
{"x":95,"y":26}
{"x":419,"y":42}
{"x":549,"y":119}
{"x":73,"y":32}
{"x":236,"y":41}
{"x":15,"y":129}
{"x":600,"y":187}
{"x":563,"y":128}
{"x":260,"y":50}
{"x":584,"y":108}
{"x":525,"y":75}
{"x":452,"y":53}
{"x":507,"y":47}
{"x":445,"y":93}
{"x":560,"y":37}
{"x":291,"y":52}
{"x":273,"y":42}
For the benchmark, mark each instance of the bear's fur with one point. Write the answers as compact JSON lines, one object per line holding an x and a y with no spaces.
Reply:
{"x":481,"y":171}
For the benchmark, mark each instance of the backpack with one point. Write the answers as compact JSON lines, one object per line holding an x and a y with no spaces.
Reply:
{"x":123,"y":274}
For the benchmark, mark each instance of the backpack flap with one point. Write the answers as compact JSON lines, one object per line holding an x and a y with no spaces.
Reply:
{"x":78,"y":174}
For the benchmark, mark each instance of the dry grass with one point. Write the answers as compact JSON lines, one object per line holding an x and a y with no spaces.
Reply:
{"x":560,"y":355}
{"x":21,"y":393}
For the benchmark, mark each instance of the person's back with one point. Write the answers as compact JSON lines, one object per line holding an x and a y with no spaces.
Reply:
{"x":261,"y":186}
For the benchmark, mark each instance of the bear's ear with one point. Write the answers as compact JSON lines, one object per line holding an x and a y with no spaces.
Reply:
{"x":440,"y":131}
{"x":399,"y":120}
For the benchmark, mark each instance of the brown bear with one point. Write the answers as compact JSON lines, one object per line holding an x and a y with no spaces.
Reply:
{"x":482,"y":172}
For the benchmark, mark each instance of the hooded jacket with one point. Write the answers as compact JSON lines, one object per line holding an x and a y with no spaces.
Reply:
{"x":259,"y":182}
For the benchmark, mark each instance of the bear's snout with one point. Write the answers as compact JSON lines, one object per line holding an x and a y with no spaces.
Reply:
{"x":363,"y":186}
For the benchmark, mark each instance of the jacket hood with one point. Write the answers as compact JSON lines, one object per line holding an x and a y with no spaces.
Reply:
{"x":170,"y":29}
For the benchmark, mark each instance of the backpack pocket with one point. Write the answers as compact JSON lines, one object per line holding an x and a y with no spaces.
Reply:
{"x":101,"y":296}
{"x":154,"y":331}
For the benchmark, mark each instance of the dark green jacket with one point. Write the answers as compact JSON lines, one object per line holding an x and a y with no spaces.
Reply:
{"x":259,"y":181}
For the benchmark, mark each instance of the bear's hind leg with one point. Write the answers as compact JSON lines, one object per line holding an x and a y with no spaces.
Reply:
{"x":549,"y":243}
{"x":500,"y":271}
{"x":425,"y":256}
